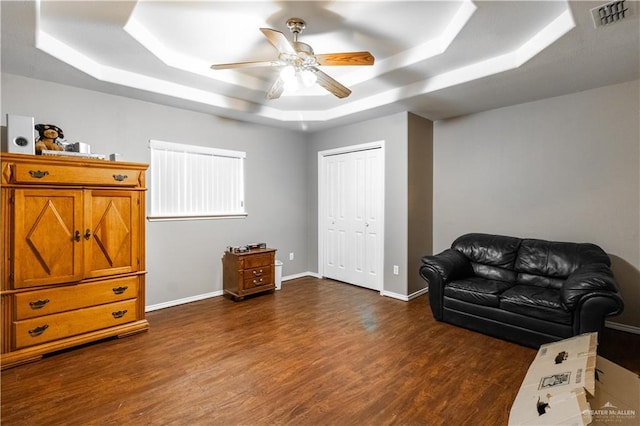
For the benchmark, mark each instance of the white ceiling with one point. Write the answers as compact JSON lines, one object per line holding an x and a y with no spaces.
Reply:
{"x":438,"y":59}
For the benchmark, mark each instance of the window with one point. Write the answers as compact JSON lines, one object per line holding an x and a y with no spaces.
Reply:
{"x":192,"y":182}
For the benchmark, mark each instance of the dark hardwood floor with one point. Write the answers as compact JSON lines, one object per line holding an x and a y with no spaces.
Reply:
{"x":315,"y":352}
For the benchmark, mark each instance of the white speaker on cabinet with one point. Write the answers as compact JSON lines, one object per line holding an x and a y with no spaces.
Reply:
{"x":20,"y":134}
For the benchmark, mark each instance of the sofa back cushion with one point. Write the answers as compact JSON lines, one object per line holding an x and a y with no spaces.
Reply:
{"x":492,"y":256}
{"x":549,"y":263}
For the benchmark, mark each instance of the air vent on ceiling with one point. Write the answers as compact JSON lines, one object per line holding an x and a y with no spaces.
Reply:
{"x":611,"y":12}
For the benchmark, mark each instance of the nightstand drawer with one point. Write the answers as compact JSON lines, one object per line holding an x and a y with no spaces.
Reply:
{"x":57,"y":326}
{"x":257,"y":277}
{"x":50,"y":301}
{"x":257,"y":282}
{"x":258,"y":260}
{"x":261,"y":272}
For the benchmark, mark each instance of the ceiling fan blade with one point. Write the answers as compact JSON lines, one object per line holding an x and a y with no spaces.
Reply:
{"x":276,"y":89}
{"x":331,"y":85}
{"x":345,"y":58}
{"x":278,"y":40}
{"x":252,"y":64}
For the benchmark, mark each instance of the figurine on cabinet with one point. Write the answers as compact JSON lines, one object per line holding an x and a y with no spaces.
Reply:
{"x":48,"y":136}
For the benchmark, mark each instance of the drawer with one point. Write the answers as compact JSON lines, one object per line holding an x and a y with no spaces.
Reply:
{"x":57,"y":326}
{"x":45,"y":302}
{"x":257,"y":277}
{"x":257,"y":260}
{"x":77,"y":174}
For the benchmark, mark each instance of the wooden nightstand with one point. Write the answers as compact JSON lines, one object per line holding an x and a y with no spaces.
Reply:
{"x":248,"y":273}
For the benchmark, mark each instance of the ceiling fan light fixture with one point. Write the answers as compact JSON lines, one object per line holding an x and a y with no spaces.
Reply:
{"x":299,"y":64}
{"x":288,"y":72}
{"x":293,"y":78}
{"x":308,"y":78}
{"x":289,"y":76}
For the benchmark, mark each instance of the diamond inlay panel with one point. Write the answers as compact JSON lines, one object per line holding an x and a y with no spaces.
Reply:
{"x":49,"y":226}
{"x":111,"y":233}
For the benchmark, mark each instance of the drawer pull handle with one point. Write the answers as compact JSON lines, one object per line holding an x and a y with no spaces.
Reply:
{"x":87,"y":234}
{"x":120,"y":290}
{"x":257,"y":281}
{"x":38,"y":304}
{"x":38,"y":330}
{"x":120,"y":178}
{"x":119,"y":314}
{"x":257,"y":273}
{"x":38,"y":174}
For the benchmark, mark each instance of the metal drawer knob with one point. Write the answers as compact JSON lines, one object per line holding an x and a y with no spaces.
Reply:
{"x":38,"y":174}
{"x":119,"y":314}
{"x":38,"y":330}
{"x":120,"y":290}
{"x":38,"y":304}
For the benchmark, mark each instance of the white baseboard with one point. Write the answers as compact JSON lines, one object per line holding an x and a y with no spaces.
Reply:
{"x":177,"y":302}
{"x":301,"y":275}
{"x":419,"y":293}
{"x":393,"y":295}
{"x":404,"y":297}
{"x":622,"y":327}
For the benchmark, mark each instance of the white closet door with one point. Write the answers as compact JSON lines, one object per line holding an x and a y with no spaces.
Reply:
{"x":336,"y":167}
{"x":374,"y":205}
{"x":353,"y":203}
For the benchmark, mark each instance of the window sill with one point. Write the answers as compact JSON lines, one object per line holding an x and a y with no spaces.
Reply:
{"x":196,"y":217}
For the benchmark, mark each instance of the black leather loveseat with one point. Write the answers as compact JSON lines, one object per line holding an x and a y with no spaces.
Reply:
{"x":524,"y":290}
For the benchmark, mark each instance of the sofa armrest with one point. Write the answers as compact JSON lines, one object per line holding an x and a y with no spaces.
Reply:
{"x":593,"y":309}
{"x":450,"y":265}
{"x":592,"y":278}
{"x":440,"y":269}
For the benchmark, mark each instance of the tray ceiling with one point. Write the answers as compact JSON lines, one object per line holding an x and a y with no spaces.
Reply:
{"x":438,"y":59}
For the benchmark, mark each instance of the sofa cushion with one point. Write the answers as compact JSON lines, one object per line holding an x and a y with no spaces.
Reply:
{"x":477,"y":290}
{"x":491,"y":256}
{"x":540,"y":281}
{"x":538,"y":302}
{"x":554,"y":260}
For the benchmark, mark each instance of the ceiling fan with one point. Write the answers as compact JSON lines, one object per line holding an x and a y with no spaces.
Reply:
{"x":299,"y":64}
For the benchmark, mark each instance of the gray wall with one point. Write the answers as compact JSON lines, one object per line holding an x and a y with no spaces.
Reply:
{"x":420,"y":201}
{"x":564,"y":168}
{"x":183,"y":257}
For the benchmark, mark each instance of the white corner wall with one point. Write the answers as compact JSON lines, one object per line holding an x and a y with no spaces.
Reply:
{"x":563,"y":168}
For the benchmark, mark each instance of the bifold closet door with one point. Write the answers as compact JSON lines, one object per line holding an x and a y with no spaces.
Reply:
{"x":353,"y":202}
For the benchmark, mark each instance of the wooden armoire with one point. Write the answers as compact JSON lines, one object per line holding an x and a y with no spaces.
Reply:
{"x":73,"y":255}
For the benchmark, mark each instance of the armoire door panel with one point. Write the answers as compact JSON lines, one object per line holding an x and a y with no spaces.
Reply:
{"x":46,"y":239}
{"x":111,"y":233}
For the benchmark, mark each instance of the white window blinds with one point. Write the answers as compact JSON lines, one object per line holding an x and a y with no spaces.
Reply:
{"x":190,"y":181}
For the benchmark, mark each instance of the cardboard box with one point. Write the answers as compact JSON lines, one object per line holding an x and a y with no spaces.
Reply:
{"x":569,"y":384}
